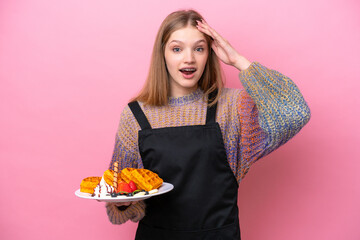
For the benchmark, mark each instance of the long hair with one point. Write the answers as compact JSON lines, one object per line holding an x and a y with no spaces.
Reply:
{"x":156,"y":90}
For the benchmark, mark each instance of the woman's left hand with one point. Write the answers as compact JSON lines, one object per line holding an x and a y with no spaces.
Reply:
{"x":223,"y":49}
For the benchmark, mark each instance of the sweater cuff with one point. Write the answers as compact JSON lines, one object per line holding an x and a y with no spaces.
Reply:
{"x":136,"y":212}
{"x":115,"y":215}
{"x":248,"y":76}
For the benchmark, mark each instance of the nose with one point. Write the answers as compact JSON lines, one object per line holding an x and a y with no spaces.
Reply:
{"x":189,"y":56}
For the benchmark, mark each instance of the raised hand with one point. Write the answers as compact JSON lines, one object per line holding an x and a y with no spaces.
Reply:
{"x":223,"y":49}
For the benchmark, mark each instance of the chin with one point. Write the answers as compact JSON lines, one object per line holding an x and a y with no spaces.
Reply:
{"x":189,"y":85}
{"x":184,"y":86}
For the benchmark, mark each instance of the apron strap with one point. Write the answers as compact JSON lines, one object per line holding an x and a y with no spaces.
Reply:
{"x":139,"y":115}
{"x":211,"y":111}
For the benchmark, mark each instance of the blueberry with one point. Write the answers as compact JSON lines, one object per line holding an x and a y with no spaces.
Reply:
{"x":113,"y":194}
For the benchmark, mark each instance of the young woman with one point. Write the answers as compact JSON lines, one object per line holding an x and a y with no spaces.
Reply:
{"x":198,"y":135}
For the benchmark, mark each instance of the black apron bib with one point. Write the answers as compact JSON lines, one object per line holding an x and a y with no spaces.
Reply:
{"x":203,"y":203}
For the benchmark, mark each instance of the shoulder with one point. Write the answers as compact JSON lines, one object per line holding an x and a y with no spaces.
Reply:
{"x":127,"y":119}
{"x":126,"y":113}
{"x":228,"y":102}
{"x":232,"y":96}
{"x":234,"y":102}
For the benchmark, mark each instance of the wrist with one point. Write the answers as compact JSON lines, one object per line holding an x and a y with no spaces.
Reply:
{"x":242,"y":63}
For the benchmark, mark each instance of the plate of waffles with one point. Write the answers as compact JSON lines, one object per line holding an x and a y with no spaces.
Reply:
{"x":141,"y":195}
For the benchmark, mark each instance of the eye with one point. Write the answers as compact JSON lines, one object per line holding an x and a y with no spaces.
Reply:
{"x":200,"y":49}
{"x":176,"y":49}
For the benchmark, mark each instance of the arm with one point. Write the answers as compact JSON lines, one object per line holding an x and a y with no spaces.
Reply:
{"x":282,"y":110}
{"x":121,"y":214}
{"x":126,"y":154}
{"x":271,"y":111}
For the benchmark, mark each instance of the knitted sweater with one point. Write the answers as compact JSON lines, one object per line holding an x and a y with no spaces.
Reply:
{"x":254,"y":121}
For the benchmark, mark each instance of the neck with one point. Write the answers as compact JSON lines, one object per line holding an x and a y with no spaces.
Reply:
{"x":182,"y":92}
{"x":186,"y":99}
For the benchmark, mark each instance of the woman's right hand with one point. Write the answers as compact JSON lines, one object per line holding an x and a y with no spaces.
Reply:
{"x":223,"y":49}
{"x":121,"y":212}
{"x":124,"y":205}
{"x":118,"y":204}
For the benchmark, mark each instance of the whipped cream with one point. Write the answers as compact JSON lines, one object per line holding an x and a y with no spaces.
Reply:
{"x":103,"y":189}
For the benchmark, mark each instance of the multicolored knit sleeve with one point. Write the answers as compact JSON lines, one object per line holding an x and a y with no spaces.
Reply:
{"x":126,"y":142}
{"x":134,"y":212}
{"x":272,"y":111}
{"x":127,"y":155}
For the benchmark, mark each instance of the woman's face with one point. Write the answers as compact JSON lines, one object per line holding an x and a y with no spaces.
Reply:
{"x":186,"y":53}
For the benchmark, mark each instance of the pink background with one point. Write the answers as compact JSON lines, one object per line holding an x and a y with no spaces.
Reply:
{"x":67,"y":68}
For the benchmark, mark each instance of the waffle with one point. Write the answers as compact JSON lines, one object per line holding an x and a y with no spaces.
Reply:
{"x":88,"y":184}
{"x":109,"y":177}
{"x":126,"y":174}
{"x":143,"y":178}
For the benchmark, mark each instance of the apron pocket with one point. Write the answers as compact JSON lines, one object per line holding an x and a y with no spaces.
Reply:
{"x":228,"y":232}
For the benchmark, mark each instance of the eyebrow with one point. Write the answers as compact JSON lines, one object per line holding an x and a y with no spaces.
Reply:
{"x":199,"y":41}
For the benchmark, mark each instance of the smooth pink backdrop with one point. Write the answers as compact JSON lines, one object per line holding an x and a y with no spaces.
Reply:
{"x":67,"y":68}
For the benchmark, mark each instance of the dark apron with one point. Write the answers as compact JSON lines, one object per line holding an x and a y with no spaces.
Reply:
{"x":203,"y":203}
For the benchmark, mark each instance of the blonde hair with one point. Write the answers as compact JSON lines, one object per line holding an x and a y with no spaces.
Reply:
{"x":156,"y":90}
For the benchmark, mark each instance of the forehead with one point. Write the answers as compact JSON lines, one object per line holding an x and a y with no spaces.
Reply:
{"x":186,"y":35}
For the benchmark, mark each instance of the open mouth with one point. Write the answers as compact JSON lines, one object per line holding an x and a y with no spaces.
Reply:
{"x":188,"y":71}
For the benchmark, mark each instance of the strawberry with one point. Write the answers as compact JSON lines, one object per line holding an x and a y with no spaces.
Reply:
{"x":124,"y":187}
{"x":132,"y":186}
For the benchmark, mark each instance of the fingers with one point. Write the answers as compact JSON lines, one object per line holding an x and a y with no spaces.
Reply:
{"x":205,"y":28}
{"x":118,"y":204}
